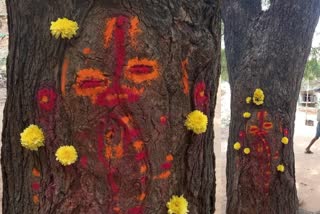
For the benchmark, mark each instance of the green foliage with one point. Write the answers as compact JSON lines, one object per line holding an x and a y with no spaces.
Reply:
{"x":312,"y":69}
{"x":224,"y":69}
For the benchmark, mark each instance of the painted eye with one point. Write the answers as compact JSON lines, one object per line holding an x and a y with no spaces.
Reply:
{"x":267,"y":125}
{"x":90,"y":82}
{"x":141,"y":70}
{"x":253,"y":129}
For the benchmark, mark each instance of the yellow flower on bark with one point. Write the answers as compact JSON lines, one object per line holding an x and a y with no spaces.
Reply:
{"x":248,"y":100}
{"x":177,"y":205}
{"x":258,"y":96}
{"x":32,"y":137}
{"x":280,"y":168}
{"x":64,"y":28}
{"x":247,"y":151}
{"x":66,"y":155}
{"x":197,"y":122}
{"x":247,"y":115}
{"x":237,"y":146}
{"x":285,"y":140}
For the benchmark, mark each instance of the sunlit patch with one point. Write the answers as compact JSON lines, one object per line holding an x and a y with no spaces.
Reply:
{"x":90,"y":82}
{"x":141,"y":70}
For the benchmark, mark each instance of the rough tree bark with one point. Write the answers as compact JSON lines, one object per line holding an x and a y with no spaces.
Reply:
{"x":267,"y":50}
{"x":134,"y":151}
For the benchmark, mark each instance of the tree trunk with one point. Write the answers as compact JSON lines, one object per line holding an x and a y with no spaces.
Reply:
{"x":121,"y":90}
{"x":266,"y":50}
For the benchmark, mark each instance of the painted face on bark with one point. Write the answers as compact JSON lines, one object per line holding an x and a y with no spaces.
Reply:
{"x":259,"y":136}
{"x":107,"y":134}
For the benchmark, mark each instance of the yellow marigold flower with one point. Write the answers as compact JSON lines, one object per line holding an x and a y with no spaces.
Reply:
{"x":177,"y":205}
{"x":285,"y":140}
{"x":258,"y":97}
{"x":280,"y":168}
{"x":197,"y":122}
{"x":237,"y":146}
{"x":247,"y":151}
{"x":248,"y":100}
{"x":32,"y":137}
{"x":64,"y":28}
{"x":247,"y":115}
{"x":66,"y":155}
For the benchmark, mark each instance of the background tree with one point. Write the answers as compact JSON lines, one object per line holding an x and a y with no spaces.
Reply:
{"x":224,"y":68}
{"x":267,"y":50}
{"x":119,"y":92}
{"x":312,"y":68}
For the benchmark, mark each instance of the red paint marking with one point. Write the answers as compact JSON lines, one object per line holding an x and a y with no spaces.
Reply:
{"x":140,"y":69}
{"x":113,"y":97}
{"x":141,"y":156}
{"x":46,"y":99}
{"x":136,"y":210}
{"x":200,"y":96}
{"x":114,"y":186}
{"x":92,"y":83}
{"x":35,"y":186}
{"x":84,"y":161}
{"x":166,"y":166}
{"x":64,"y":72}
{"x":286,"y":132}
{"x":143,"y":179}
{"x":120,"y":50}
{"x":163,"y":120}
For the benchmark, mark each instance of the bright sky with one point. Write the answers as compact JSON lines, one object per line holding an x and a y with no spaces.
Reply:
{"x":316,"y":37}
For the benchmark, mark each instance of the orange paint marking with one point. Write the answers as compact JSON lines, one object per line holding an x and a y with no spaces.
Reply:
{"x":44,"y":99}
{"x":141,"y":70}
{"x":109,"y":30}
{"x":141,"y":197}
{"x":253,"y":129}
{"x":163,"y":175}
{"x":143,"y":169}
{"x":35,"y":199}
{"x":35,"y":172}
{"x":86,"y":51}
{"x":185,"y":77}
{"x":90,"y":82}
{"x":116,"y":209}
{"x":109,"y":135}
{"x":134,"y":31}
{"x":169,"y":158}
{"x":108,"y":153}
{"x":64,"y":72}
{"x":118,"y":150}
{"x":138,"y":145}
{"x":267,"y":125}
